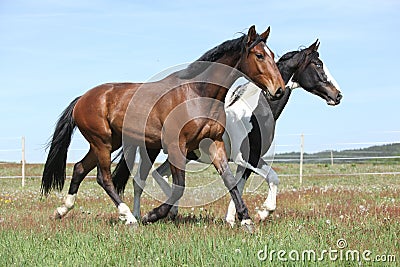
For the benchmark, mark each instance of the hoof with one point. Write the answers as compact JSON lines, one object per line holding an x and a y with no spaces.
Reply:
{"x":128,"y":219}
{"x":262,"y":215}
{"x":248,"y":226}
{"x":230,"y":222}
{"x":138,"y":218}
{"x":150,"y":217}
{"x":55,"y":216}
{"x":172,"y":216}
{"x":133,"y":224}
{"x":145,"y":219}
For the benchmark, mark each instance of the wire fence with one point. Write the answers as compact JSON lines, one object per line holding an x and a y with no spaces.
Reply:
{"x":297,"y":149}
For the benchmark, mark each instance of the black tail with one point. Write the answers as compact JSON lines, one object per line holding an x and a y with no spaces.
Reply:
{"x":54,"y":169}
{"x":121,"y":173}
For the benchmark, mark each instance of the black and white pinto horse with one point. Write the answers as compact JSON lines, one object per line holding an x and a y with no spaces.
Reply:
{"x":250,"y":128}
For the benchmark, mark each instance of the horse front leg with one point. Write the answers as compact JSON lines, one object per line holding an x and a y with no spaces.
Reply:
{"x":242,"y":174}
{"x":147,"y":158}
{"x":164,"y":170}
{"x":139,"y":180}
{"x":220,"y":162}
{"x":178,"y":186}
{"x":159,"y":174}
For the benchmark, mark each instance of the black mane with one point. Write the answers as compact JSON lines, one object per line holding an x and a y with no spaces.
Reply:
{"x":217,"y":52}
{"x":212,"y":55}
{"x":287,"y":56}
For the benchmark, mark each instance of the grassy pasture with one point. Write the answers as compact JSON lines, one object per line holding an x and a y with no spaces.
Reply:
{"x":363,"y":211}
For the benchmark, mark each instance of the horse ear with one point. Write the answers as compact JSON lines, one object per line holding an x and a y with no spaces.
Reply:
{"x":314,"y":46}
{"x":264,"y":35}
{"x":317,"y":46}
{"x":251,"y":35}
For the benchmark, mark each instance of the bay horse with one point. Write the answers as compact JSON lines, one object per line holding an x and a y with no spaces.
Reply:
{"x":136,"y":114}
{"x":248,"y":106}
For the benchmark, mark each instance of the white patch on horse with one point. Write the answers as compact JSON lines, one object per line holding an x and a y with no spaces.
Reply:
{"x":330,"y":77}
{"x":238,"y":120}
{"x":266,"y":48}
{"x":126,"y":215}
{"x":270,"y":202}
{"x":230,"y":216}
{"x":292,"y":85}
{"x":69,"y":202}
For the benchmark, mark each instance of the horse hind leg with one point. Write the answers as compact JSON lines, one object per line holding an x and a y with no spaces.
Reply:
{"x":81,"y":169}
{"x":104,"y":179}
{"x":269,"y":205}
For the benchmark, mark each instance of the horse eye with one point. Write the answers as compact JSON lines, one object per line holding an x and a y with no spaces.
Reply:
{"x":260,"y":56}
{"x":318,"y":65}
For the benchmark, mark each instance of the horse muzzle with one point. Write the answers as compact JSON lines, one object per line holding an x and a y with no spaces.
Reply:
{"x":334,"y":101}
{"x":278,"y":94}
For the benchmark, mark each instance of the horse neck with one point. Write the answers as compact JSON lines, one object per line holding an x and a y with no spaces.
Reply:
{"x":277,"y":106}
{"x":220,"y":78}
{"x":287,"y":72}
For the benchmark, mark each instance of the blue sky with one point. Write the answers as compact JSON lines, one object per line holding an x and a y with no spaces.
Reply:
{"x":52,"y":51}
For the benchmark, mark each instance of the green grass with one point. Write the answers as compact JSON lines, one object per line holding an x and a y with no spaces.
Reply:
{"x":362,"y":209}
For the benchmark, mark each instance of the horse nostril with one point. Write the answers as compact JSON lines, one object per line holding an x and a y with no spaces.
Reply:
{"x":279,"y":92}
{"x":339,"y":96}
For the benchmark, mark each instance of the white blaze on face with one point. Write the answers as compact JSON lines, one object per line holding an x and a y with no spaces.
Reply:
{"x":330,"y":77}
{"x":268,"y":51}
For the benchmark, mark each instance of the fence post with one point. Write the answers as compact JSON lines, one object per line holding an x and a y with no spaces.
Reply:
{"x":301,"y":157}
{"x":23,"y":160}
{"x":331,"y":157}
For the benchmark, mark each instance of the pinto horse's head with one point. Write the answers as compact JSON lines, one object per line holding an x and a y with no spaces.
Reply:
{"x":314,"y":76}
{"x":257,"y":63}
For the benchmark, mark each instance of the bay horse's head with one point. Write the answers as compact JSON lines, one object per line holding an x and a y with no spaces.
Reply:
{"x":314,"y":77}
{"x":257,"y":63}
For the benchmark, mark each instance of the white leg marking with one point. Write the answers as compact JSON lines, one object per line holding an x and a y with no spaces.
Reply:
{"x":230,"y":215}
{"x":270,"y":203}
{"x":126,"y":215}
{"x":248,"y":225}
{"x":263,"y":214}
{"x":246,"y":222}
{"x":69,"y":202}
